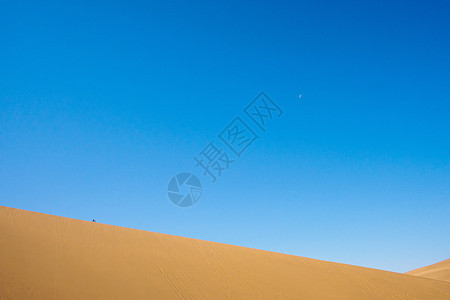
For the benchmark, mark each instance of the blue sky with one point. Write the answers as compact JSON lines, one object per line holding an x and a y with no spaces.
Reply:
{"x":102,"y":103}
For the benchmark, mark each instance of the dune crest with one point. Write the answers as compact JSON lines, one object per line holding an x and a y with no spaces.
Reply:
{"x":49,"y":257}
{"x":438,"y":271}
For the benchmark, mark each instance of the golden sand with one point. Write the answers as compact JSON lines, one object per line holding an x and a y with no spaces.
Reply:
{"x":49,"y":257}
{"x":439,"y":271}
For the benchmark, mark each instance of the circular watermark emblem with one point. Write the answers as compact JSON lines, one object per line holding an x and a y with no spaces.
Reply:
{"x":184,"y":189}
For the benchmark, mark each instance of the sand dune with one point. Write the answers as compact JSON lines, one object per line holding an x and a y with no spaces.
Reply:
{"x":49,"y":257}
{"x":439,"y":271}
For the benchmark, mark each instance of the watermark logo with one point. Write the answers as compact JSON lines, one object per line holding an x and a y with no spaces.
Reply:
{"x":213,"y":161}
{"x":184,"y":189}
{"x":217,"y":156}
{"x":238,"y":136}
{"x":262,"y":110}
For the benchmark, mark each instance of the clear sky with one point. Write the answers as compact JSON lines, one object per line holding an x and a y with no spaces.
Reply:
{"x":101,"y":103}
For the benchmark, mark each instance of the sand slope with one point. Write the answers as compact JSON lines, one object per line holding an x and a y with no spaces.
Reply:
{"x":50,"y":257}
{"x":439,"y":271}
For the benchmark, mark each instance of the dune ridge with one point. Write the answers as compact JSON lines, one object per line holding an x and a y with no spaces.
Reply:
{"x":49,"y":257}
{"x":438,"y":271}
